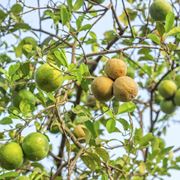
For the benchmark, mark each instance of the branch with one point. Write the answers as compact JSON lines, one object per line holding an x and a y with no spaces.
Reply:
{"x":127,"y":15}
{"x":52,"y":35}
{"x":73,"y":163}
{"x":121,"y":50}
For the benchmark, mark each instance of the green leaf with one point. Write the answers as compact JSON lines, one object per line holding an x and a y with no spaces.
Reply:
{"x":160,"y":28}
{"x":154,"y":38}
{"x":4,"y":58}
{"x":13,"y":69}
{"x":9,"y":175}
{"x":16,"y":9}
{"x":102,"y":153}
{"x":91,"y":160}
{"x":24,"y":106}
{"x":174,"y":31}
{"x":111,"y":125}
{"x":138,"y":135}
{"x":78,"y":4}
{"x":6,"y":120}
{"x":28,"y":47}
{"x":3,"y":15}
{"x":21,"y":26}
{"x":91,"y":127}
{"x":70,"y":5}
{"x":146,"y":139}
{"x":131,"y":13}
{"x":61,"y":57}
{"x":65,"y":15}
{"x":126,"y":107}
{"x":85,"y":27}
{"x":79,"y":22}
{"x":169,"y":21}
{"x":124,"y":123}
{"x":116,"y":106}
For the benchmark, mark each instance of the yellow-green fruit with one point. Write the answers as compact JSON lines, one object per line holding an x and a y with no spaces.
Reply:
{"x":23,"y":95}
{"x":125,"y":89}
{"x":48,"y":77}
{"x":35,"y":146}
{"x":167,"y":106}
{"x":177,"y":97}
{"x":177,"y":80}
{"x":167,"y":88}
{"x":102,"y":88}
{"x":159,"y":10}
{"x":11,"y":156}
{"x":115,"y":68}
{"x":79,"y":131}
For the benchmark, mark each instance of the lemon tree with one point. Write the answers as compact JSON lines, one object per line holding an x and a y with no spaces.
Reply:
{"x":89,"y":89}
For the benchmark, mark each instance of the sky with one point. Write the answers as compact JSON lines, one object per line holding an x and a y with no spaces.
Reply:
{"x":173,"y":132}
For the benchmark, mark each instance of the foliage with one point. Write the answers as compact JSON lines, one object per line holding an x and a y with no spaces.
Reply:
{"x":123,"y":140}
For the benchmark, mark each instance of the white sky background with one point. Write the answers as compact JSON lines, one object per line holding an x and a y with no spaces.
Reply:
{"x":173,"y":132}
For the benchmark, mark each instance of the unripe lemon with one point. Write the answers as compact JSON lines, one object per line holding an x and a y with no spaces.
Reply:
{"x":102,"y":88}
{"x":167,"y":88}
{"x":167,"y":106}
{"x":125,"y":89}
{"x":48,"y":77}
{"x":11,"y":156}
{"x":159,"y":10}
{"x":35,"y":146}
{"x":177,"y":97}
{"x":115,"y":68}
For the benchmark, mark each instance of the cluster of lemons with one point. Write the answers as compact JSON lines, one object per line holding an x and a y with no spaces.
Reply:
{"x":34,"y":147}
{"x":170,"y":91}
{"x":115,"y":83}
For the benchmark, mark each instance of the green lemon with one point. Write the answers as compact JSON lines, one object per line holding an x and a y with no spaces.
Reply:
{"x":24,"y":95}
{"x":11,"y":156}
{"x":167,"y":106}
{"x":48,"y":77}
{"x":35,"y":146}
{"x":159,"y":10}
{"x":167,"y":88}
{"x":177,"y":97}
